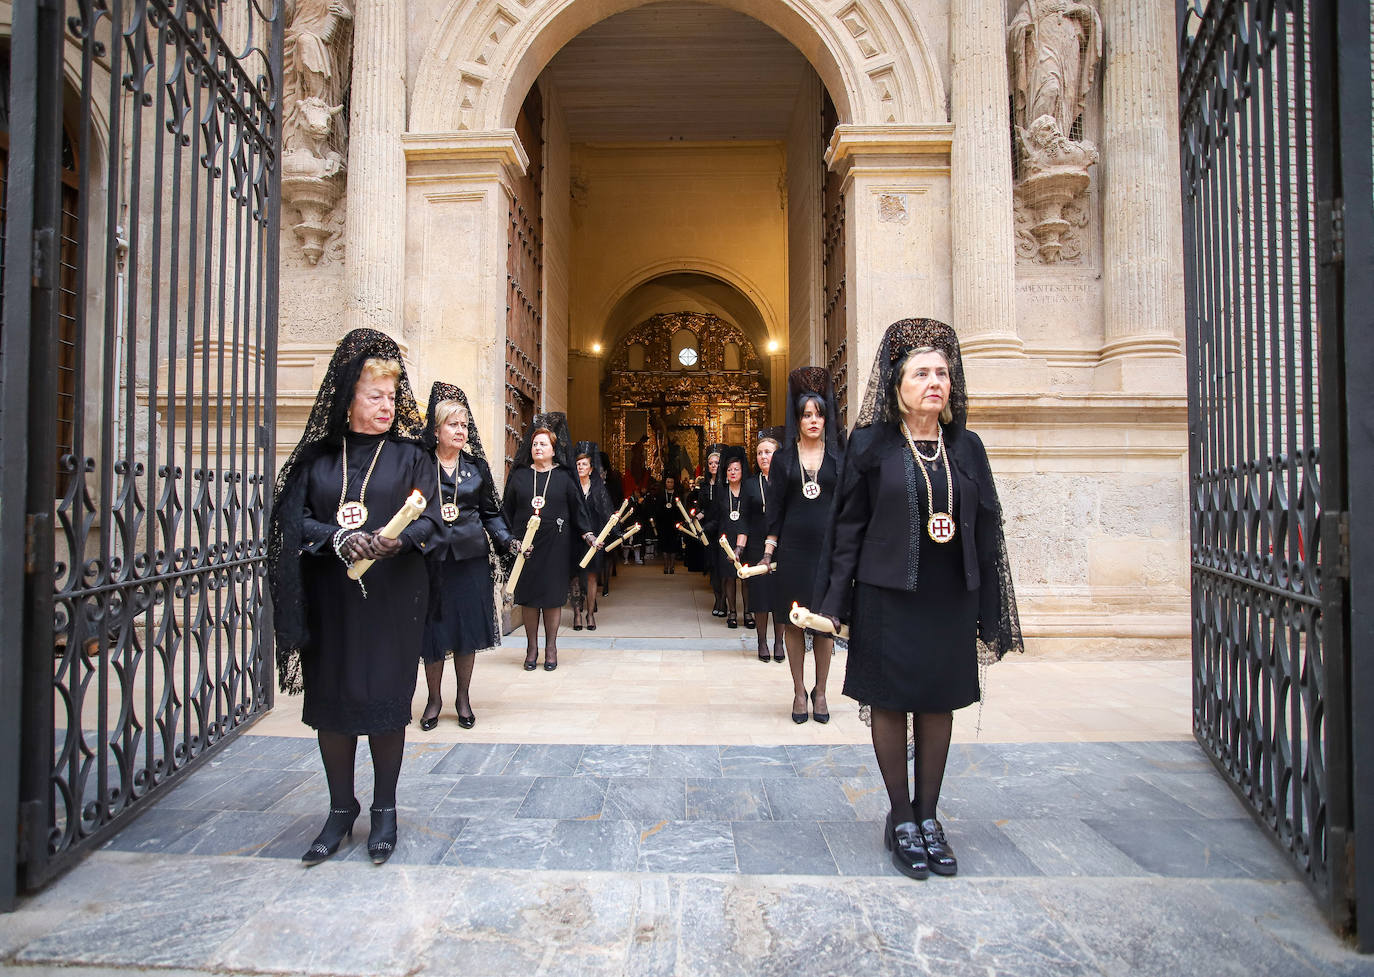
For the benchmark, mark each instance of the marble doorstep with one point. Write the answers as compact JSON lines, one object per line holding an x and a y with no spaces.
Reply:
{"x":119,"y":911}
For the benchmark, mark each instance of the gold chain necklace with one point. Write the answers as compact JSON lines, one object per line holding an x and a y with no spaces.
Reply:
{"x":940,"y":527}
{"x":537,"y":502}
{"x":352,"y":515}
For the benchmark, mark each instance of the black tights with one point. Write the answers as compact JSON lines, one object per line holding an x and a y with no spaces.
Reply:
{"x":530,"y":617}
{"x":932,"y":732}
{"x":337,"y":750}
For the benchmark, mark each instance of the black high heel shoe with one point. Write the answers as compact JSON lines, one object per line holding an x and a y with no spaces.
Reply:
{"x":941,"y":856}
{"x":549,"y":666}
{"x":908,"y":851}
{"x":821,"y":717}
{"x":532,"y":663}
{"x":748,"y":619}
{"x":337,"y":827}
{"x":468,"y":721}
{"x":429,"y":722}
{"x":763,"y":653}
{"x":381,"y":840}
{"x":800,"y":717}
{"x":731,"y":621}
{"x":779,"y":654}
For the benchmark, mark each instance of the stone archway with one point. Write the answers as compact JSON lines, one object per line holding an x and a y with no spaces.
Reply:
{"x":874,"y":58}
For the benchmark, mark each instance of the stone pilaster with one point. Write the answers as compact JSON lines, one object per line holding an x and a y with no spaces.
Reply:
{"x":374,"y":235}
{"x":984,"y":244}
{"x":1142,"y":231}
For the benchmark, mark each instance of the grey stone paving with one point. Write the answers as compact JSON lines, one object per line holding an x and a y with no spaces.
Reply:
{"x":1102,"y":859}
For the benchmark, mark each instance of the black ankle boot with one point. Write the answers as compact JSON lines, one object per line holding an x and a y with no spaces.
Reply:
{"x":381,"y":840}
{"x":942,"y":860}
{"x":908,"y":851}
{"x":337,"y":827}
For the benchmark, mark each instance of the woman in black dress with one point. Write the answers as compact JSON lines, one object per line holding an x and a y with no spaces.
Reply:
{"x":919,"y":569}
{"x":664,"y":517}
{"x":801,"y":493}
{"x":464,"y":556}
{"x":729,"y":519}
{"x":541,"y":481}
{"x":704,"y":505}
{"x":597,"y":499}
{"x":758,"y":600}
{"x":352,"y":646}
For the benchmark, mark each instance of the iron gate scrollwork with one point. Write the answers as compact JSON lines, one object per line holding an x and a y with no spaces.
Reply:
{"x":147,"y":634}
{"x":1270,"y":654}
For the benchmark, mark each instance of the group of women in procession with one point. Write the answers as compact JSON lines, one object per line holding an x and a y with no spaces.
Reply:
{"x":892,"y":534}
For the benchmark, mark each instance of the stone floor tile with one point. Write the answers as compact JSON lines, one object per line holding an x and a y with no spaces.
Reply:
{"x":483,"y":758}
{"x":1066,"y":847}
{"x":756,"y":761}
{"x":501,"y":843}
{"x":564,"y":798}
{"x":984,"y":851}
{"x":340,"y":918}
{"x":832,"y":760}
{"x":1164,"y":848}
{"x":1042,"y":795}
{"x":545,"y":760}
{"x":685,"y":761}
{"x":857,"y":847}
{"x":1131,"y":797}
{"x":1203,"y":791}
{"x":155,"y":829}
{"x":159,"y":915}
{"x":594,"y":846}
{"x":645,"y":799}
{"x":484,"y":796}
{"x":867,"y":796}
{"x":311,"y":797}
{"x":616,"y":761}
{"x":727,"y":799}
{"x":251,"y":790}
{"x":231,"y":833}
{"x":1246,"y":844}
{"x":807,"y":799}
{"x":293,"y":840}
{"x":782,"y":848}
{"x":686,"y":846}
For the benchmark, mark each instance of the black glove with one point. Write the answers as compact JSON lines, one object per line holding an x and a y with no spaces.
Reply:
{"x":513,"y":546}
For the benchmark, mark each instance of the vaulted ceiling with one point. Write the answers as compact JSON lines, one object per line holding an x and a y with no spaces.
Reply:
{"x":677,"y":70}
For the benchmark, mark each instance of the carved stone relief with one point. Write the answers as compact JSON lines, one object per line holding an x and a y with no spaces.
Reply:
{"x":317,"y":56}
{"x":1053,"y":51}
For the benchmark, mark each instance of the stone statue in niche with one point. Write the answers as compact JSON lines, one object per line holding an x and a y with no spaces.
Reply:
{"x":1053,"y":49}
{"x":317,"y":56}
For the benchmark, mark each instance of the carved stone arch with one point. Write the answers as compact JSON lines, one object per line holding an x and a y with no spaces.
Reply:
{"x":774,"y":327}
{"x":872,"y":56}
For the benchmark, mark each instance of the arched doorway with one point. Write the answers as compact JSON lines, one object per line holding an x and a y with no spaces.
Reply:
{"x":674,"y":384}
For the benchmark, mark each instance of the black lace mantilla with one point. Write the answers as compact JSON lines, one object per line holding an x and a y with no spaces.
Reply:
{"x":324,"y":430}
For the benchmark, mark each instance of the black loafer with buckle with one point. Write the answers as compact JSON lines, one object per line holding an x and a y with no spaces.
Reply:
{"x":908,"y":851}
{"x":941,"y":856}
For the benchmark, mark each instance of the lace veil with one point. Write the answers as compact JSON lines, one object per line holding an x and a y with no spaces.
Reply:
{"x":323,"y":430}
{"x":599,"y":498}
{"x":557,"y":422}
{"x":815,"y":380}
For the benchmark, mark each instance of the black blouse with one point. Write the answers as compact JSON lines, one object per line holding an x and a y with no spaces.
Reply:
{"x":470,"y":488}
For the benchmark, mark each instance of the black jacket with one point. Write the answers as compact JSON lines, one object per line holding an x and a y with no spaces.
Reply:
{"x":873,"y":539}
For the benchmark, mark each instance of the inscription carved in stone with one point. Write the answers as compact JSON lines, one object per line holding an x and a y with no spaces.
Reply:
{"x":1053,"y":50}
{"x":317,"y":56}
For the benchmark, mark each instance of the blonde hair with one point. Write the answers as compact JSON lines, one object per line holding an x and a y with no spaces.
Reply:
{"x":446,"y":409}
{"x":375,"y":368}
{"x":946,"y":412}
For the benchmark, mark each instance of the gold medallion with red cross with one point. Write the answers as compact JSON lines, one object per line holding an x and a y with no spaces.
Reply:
{"x":941,"y":527}
{"x":351,"y":515}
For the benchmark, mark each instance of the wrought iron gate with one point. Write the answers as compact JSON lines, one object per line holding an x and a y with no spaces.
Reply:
{"x":1259,"y":96}
{"x":139,"y":351}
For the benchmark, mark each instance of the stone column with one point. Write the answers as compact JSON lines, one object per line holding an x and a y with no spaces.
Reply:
{"x":374,"y":235}
{"x":1141,"y":224}
{"x":984,"y":244}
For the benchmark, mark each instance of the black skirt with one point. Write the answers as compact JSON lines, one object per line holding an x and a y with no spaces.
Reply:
{"x":465,"y":622}
{"x":916,"y":651}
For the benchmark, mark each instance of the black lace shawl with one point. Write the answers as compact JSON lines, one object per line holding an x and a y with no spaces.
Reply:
{"x":814,"y":380}
{"x":324,"y":430}
{"x":881,"y":411}
{"x":498,"y":561}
